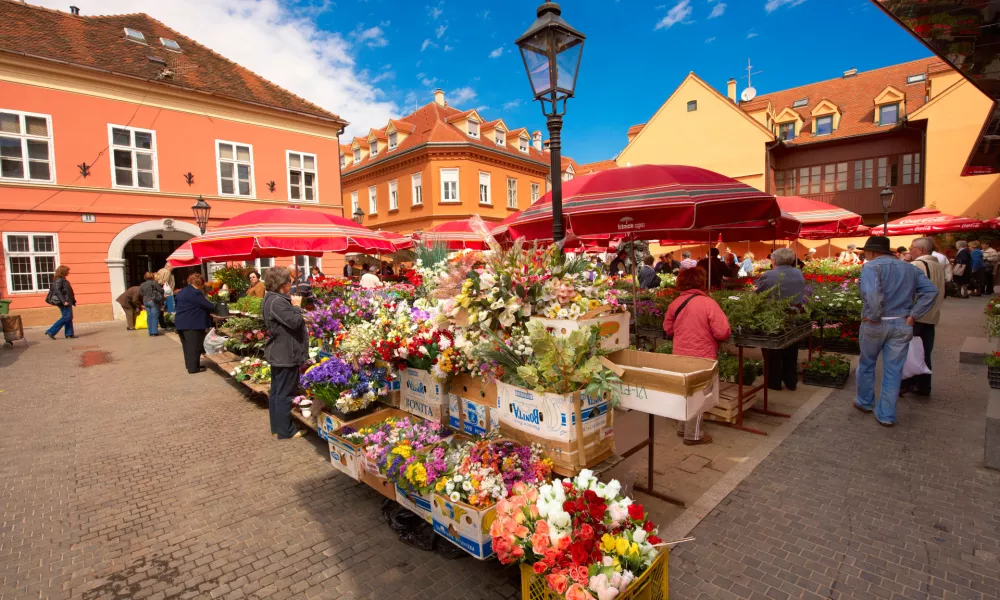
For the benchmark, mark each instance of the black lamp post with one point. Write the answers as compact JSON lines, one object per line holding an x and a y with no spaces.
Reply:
{"x":551,"y":51}
{"x":886,"y":195}
{"x":201,"y":210}
{"x":357,"y":216}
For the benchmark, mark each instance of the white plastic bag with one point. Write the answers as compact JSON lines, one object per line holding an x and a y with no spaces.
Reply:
{"x":915,"y":364}
{"x":214,"y":342}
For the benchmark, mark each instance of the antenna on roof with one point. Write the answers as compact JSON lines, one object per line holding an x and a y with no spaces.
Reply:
{"x":749,"y":93}
{"x":750,"y":73}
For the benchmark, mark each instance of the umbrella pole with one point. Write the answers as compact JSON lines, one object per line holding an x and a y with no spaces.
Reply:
{"x":829,"y":247}
{"x":708,"y":282}
{"x":635,"y":283}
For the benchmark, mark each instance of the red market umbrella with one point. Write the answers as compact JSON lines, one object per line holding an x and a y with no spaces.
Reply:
{"x":929,"y":221}
{"x":183,"y":257}
{"x":286,"y":232}
{"x":645,"y":201}
{"x":457,"y":235}
{"x":399,"y":240}
{"x":994,"y":223}
{"x":818,"y":220}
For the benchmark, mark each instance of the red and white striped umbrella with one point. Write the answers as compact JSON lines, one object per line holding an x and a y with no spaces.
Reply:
{"x":457,"y":235}
{"x":929,"y":221}
{"x":183,"y":257}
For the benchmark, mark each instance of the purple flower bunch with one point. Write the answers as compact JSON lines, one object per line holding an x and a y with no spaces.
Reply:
{"x":326,"y":318}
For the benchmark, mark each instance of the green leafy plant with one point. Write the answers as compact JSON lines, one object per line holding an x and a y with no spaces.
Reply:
{"x":729,"y":365}
{"x":829,"y":365}
{"x":992,"y":360}
{"x":242,"y":324}
{"x":666,"y":347}
{"x":760,"y":313}
{"x":249,"y":304}
{"x":234,"y":277}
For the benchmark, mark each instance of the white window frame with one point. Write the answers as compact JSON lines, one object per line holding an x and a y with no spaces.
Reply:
{"x":373,"y":148}
{"x":24,"y":146}
{"x":913,"y":177}
{"x":255,"y":263}
{"x":111,"y":158}
{"x":393,"y":140}
{"x":816,"y":125}
{"x":417,"y":189}
{"x":536,"y":192}
{"x":343,"y":161}
{"x":354,"y":202}
{"x":357,"y":155}
{"x":457,"y":182}
{"x":523,"y":144}
{"x":236,"y":180}
{"x":306,"y":269}
{"x":394,"y":195}
{"x":511,"y":192}
{"x":372,"y":200}
{"x":8,"y":254}
{"x":485,"y":187}
{"x":472,"y":124}
{"x":897,"y":106}
{"x":501,"y":137}
{"x":302,"y":176}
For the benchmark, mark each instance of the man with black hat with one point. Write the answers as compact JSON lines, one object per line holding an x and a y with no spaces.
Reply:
{"x":894,"y":295}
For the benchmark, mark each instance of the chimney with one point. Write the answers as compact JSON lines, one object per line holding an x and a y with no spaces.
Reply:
{"x":731,"y":89}
{"x":536,"y":140}
{"x":439,"y":97}
{"x":546,"y":144}
{"x":75,"y":11}
{"x":850,"y":73}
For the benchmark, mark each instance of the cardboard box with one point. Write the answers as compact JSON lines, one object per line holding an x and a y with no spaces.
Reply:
{"x":419,"y":504}
{"x":464,"y":525}
{"x":675,"y":387}
{"x":326,"y":424}
{"x":347,"y":457}
{"x":614,"y":327}
{"x":420,"y":386}
{"x":424,"y":410}
{"x":378,"y":483}
{"x":473,"y":405}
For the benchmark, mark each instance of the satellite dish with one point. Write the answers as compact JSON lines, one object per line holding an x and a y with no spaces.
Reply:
{"x":748,"y":94}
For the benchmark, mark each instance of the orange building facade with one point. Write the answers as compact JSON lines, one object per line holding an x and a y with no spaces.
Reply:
{"x":100,"y":166}
{"x":439,"y":164}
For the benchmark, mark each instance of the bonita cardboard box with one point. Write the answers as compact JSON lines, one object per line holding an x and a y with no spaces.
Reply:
{"x":464,"y":525}
{"x":473,"y":405}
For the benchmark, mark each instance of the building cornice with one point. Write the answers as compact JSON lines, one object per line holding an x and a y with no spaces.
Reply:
{"x":393,"y":163}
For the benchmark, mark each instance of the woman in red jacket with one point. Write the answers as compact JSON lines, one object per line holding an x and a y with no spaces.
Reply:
{"x":697,"y":324}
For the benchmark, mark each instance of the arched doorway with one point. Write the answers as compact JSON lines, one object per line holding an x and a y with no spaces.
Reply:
{"x":143,"y":247}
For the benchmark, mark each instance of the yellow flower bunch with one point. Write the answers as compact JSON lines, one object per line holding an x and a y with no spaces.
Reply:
{"x":403,"y":449}
{"x":416,"y":473}
{"x":619,"y":545}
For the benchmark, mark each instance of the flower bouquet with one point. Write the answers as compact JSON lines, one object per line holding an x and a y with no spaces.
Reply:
{"x":345,"y":389}
{"x":254,"y":370}
{"x":487,"y":471}
{"x":389,"y":446}
{"x":577,"y":539}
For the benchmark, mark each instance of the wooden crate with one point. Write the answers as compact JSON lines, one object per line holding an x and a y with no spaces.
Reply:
{"x":727,"y":408}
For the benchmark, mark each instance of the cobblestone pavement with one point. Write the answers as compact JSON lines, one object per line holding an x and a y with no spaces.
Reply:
{"x":845,"y":508}
{"x":132,"y":479}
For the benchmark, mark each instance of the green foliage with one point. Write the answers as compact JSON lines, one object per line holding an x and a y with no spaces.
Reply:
{"x":666,"y":347}
{"x":761,"y":313}
{"x":241,"y":324}
{"x":830,"y":365}
{"x":235,"y":277}
{"x":249,"y":304}
{"x":729,"y":365}
{"x":992,"y":360}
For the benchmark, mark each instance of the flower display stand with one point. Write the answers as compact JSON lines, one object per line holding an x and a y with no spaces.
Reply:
{"x":651,"y":585}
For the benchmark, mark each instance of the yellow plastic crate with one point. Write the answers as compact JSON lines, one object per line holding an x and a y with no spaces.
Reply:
{"x":651,"y":585}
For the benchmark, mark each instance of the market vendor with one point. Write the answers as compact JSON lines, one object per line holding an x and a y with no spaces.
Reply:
{"x":286,"y":349}
{"x":790,"y":283}
{"x":618,"y":264}
{"x":256,"y":286}
{"x":717,"y":268}
{"x":697,"y":325}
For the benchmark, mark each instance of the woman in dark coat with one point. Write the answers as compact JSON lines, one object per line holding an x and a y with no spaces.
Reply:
{"x":963,"y":257}
{"x":192,"y":320}
{"x":61,"y":295}
{"x":286,"y":348}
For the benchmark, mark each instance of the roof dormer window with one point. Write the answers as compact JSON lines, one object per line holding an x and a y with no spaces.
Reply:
{"x":888,"y":114}
{"x":786,"y":131}
{"x":392,"y":140}
{"x":374,"y":148}
{"x":824,"y":125}
{"x":501,"y":138}
{"x":523,"y":144}
{"x":473,"y":128}
{"x":343,"y":161}
{"x":357,"y":155}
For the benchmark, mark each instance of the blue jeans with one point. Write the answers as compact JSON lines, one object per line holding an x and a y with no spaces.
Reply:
{"x":892,"y":340}
{"x":169,"y":304}
{"x":65,"y":320}
{"x":152,"y":317}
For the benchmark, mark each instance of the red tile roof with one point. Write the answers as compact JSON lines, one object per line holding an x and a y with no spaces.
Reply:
{"x":433,"y":123}
{"x":635,"y":129}
{"x":595,"y":167}
{"x":855,"y":96}
{"x":99,"y":43}
{"x":402,"y":126}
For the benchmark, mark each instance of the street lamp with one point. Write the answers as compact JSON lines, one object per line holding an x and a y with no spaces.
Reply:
{"x":886,"y":195}
{"x":551,"y":51}
{"x":201,"y":210}
{"x":357,"y":216}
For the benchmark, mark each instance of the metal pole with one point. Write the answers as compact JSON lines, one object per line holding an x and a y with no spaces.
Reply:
{"x":555,"y":145}
{"x":885,"y":220}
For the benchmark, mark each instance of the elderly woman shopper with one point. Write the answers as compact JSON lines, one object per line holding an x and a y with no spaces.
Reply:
{"x":152,"y":299}
{"x":286,"y":350}
{"x":165,"y":277}
{"x":61,"y":295}
{"x":849,"y":256}
{"x":192,"y":320}
{"x":697,"y":324}
{"x":782,"y":364}
{"x":256,"y":285}
{"x":131,"y":302}
{"x":962,"y":269}
{"x":978,"y":266}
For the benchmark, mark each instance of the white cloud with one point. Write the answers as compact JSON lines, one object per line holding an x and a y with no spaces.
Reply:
{"x":279,"y":44}
{"x":373,"y":37}
{"x":448,"y":48}
{"x":511,"y":105}
{"x":436,"y":11}
{"x":383,"y":76}
{"x":710,"y":40}
{"x":486,"y":14}
{"x":427,"y":81}
{"x":427,"y":43}
{"x":482,"y":108}
{"x":773,"y":5}
{"x":497,"y":53}
{"x":440,"y":31}
{"x":461,"y":96}
{"x":680,"y":11}
{"x":717,"y":10}
{"x":752,"y":35}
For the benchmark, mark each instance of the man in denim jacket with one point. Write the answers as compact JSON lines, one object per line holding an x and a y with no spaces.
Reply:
{"x":894,"y":296}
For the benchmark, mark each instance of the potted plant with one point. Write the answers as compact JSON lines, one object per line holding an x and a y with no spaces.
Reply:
{"x":760,"y":320}
{"x":992,"y":311}
{"x":304,"y":404}
{"x":729,"y":365}
{"x":993,"y":369}
{"x":826,"y":370}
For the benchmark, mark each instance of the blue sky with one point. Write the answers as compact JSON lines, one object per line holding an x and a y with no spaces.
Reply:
{"x":635,"y":55}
